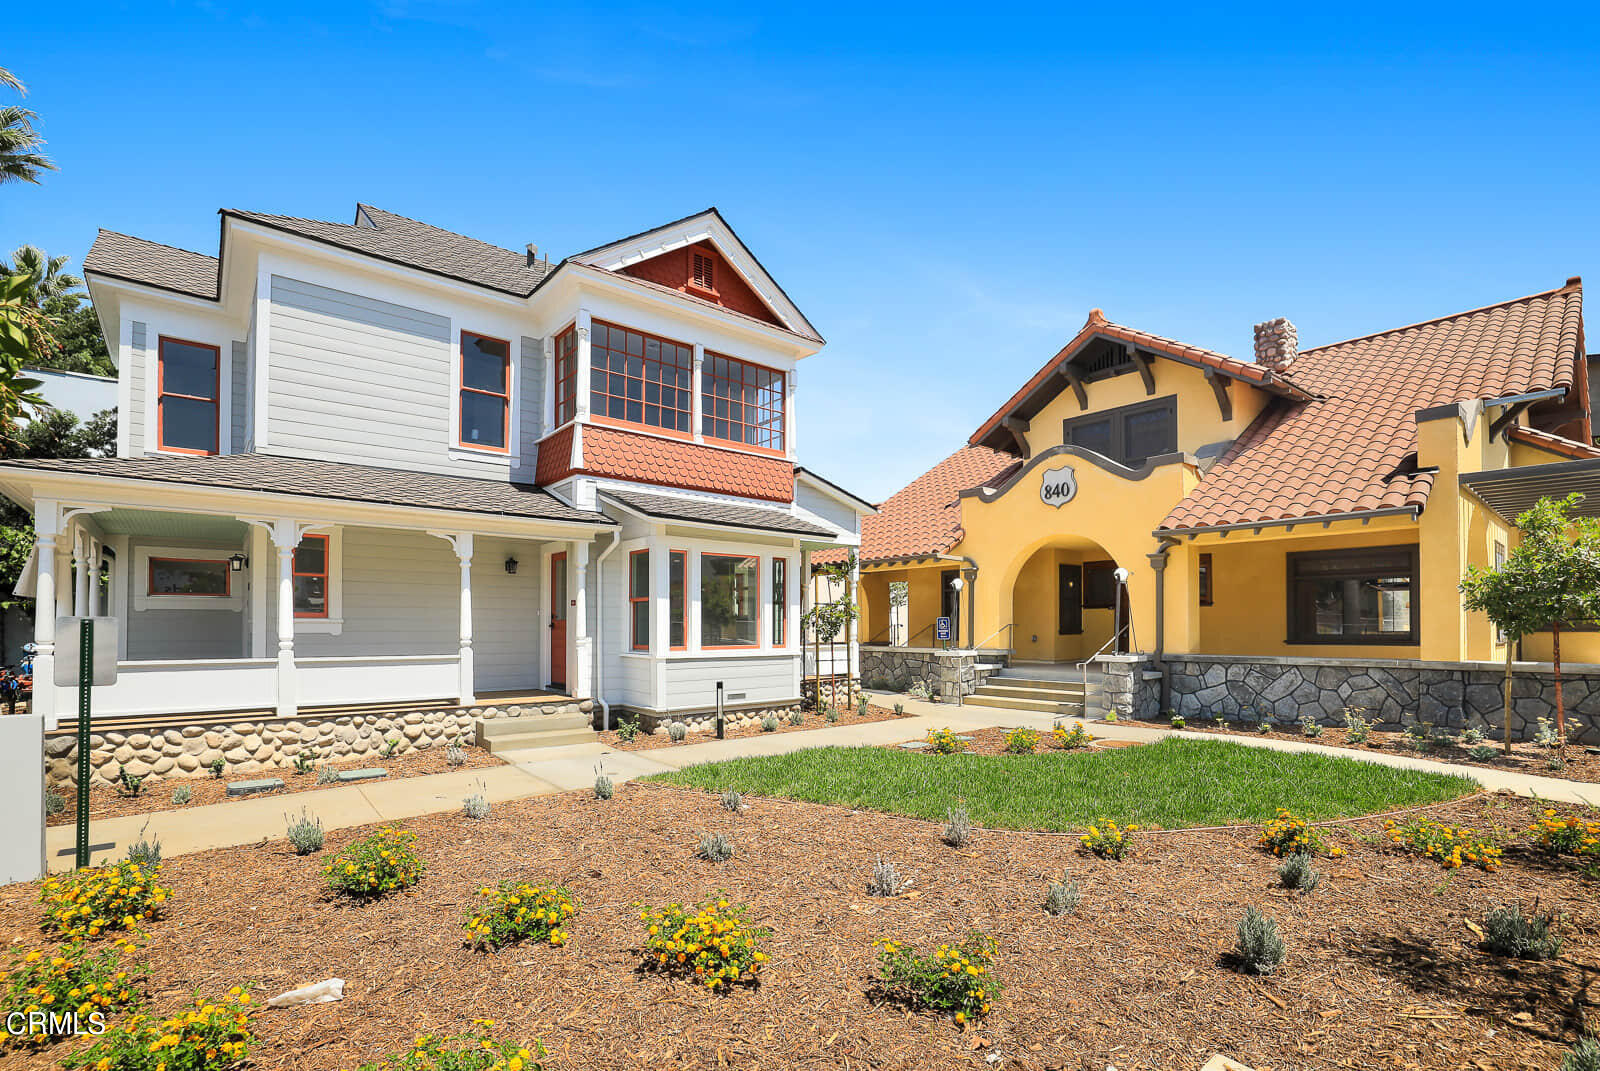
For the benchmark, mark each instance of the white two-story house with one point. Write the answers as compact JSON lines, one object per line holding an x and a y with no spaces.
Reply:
{"x":378,"y":461}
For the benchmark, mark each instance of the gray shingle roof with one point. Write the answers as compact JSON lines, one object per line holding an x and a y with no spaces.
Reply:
{"x":707,"y":511}
{"x":401,"y":240}
{"x":122,"y":256}
{"x":329,"y":479}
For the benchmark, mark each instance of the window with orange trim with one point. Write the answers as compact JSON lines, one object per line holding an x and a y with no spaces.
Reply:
{"x":741,"y":402}
{"x":639,"y":378}
{"x":188,"y":385}
{"x":311,"y":577}
{"x":639,"y":599}
{"x":485,"y":392}
{"x":780,"y":599}
{"x":678,"y":600}
{"x":730,"y":613}
{"x":566,"y":374}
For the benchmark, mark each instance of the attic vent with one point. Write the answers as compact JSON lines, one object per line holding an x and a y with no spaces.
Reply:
{"x":1110,"y":360}
{"x":704,"y":272}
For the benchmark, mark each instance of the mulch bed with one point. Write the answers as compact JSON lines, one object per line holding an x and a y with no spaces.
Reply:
{"x":106,"y":801}
{"x":813,"y":720}
{"x":1527,"y":758}
{"x":1382,"y":969}
{"x":992,"y":741}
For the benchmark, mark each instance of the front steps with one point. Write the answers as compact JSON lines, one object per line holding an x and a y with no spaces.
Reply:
{"x":537,"y":730}
{"x":1012,"y":690}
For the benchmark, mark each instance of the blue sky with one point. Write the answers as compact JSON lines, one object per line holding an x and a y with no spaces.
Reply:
{"x":945,"y":192}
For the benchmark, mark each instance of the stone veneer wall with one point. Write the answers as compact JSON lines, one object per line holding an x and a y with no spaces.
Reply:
{"x":948,"y":673}
{"x":705,"y":721}
{"x":1129,"y":685}
{"x":261,"y":745}
{"x":1453,"y":694}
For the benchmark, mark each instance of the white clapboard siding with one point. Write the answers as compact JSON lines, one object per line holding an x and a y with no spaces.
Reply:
{"x":628,"y":679}
{"x":829,"y":509}
{"x":692,"y":682}
{"x":134,"y":368}
{"x":179,"y":633}
{"x":505,"y":616}
{"x":240,"y":398}
{"x":531,"y":372}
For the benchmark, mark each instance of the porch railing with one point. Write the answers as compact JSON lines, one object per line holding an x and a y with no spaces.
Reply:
{"x":376,"y":679}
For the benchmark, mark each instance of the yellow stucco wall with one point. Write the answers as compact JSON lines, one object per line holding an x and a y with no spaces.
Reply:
{"x":1035,"y":607}
{"x":923,"y":606}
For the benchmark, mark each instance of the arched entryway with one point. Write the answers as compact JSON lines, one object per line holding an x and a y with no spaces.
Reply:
{"x":1065,"y":603}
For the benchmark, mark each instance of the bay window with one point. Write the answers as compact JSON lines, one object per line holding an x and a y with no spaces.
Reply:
{"x":1364,"y":596}
{"x":742,"y":402}
{"x":678,"y":600}
{"x":639,"y":600}
{"x":639,"y":378}
{"x":188,"y":386}
{"x":730,"y":601}
{"x":780,"y":599}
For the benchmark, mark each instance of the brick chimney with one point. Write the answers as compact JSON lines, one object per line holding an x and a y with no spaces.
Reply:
{"x":1277,"y":344}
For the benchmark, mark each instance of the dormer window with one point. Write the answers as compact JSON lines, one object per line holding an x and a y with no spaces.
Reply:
{"x":704,"y":272}
{"x":189,"y":389}
{"x":485,"y":392}
{"x":742,"y":403}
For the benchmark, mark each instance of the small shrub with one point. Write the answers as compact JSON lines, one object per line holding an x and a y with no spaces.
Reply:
{"x":327,"y":775}
{"x":714,"y":848}
{"x":957,"y":827}
{"x":831,"y":715}
{"x":1178,"y":722}
{"x":955,"y":979}
{"x":1266,"y":724}
{"x":1289,"y":834}
{"x":861,"y":706}
{"x":628,"y":729}
{"x":480,"y":1051}
{"x":919,"y":690}
{"x":1452,"y":846}
{"x":603,"y":788}
{"x":1063,"y":897}
{"x":712,"y":941}
{"x":146,"y":851}
{"x":217,"y":765}
{"x":1022,"y":741}
{"x":769,"y":724}
{"x":455,"y":754}
{"x":1107,"y":839}
{"x":677,"y":732}
{"x":1546,"y":736}
{"x":899,"y":710}
{"x":87,"y":903}
{"x":210,"y":1036}
{"x":1070,"y":739}
{"x":1507,"y":931}
{"x":1566,"y":834}
{"x":476,"y":807}
{"x":54,"y":802}
{"x":132,"y":784}
{"x":305,"y":760}
{"x":391,"y":747}
{"x":1110,"y":714}
{"x":381,"y":863}
{"x":1310,"y":726}
{"x":1483,"y":753}
{"x":732,"y":801}
{"x":1472,"y":735}
{"x":1419,"y":735}
{"x":1556,"y":761}
{"x":1260,"y":950}
{"x":1357,"y":726}
{"x":1296,"y":872}
{"x":519,"y":910}
{"x":885,"y":880}
{"x":945,"y":741}
{"x":1219,"y":720}
{"x":1585,"y":1056}
{"x":182,"y":794}
{"x":797,"y":717}
{"x":66,"y":980}
{"x":304,"y":832}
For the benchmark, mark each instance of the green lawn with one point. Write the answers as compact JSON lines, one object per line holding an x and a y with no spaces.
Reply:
{"x":1172,"y":783}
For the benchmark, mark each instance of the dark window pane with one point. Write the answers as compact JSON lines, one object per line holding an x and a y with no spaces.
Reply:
{"x":310,"y":596}
{"x":484,"y":363}
{"x":1094,"y":435}
{"x":311,"y":556}
{"x":1149,"y":433}
{"x":173,"y":576}
{"x":187,"y":369}
{"x":675,"y":598}
{"x":728,"y":601}
{"x":483,"y":419}
{"x":187,"y":424}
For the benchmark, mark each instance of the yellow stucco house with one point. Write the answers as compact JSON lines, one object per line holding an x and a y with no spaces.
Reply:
{"x":1292,"y":528}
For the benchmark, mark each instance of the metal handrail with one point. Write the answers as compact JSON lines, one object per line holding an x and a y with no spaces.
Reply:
{"x":996,"y":632}
{"x":1083,"y":667}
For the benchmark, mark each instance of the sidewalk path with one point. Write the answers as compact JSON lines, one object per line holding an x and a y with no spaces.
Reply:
{"x":545,"y":771}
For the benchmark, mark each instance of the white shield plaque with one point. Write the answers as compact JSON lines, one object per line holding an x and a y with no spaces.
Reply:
{"x":1059,"y":487}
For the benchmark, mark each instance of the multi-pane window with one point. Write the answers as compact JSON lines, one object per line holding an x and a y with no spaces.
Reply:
{"x":780,"y":598}
{"x":1129,"y":434}
{"x":485,"y":391}
{"x":566,"y":374}
{"x":639,"y":600}
{"x":204,"y":577}
{"x":311,"y":577}
{"x":1353,"y":596}
{"x":741,"y":402}
{"x":188,"y":389}
{"x":678,"y":600}
{"x":640,"y":378}
{"x":729,"y":602}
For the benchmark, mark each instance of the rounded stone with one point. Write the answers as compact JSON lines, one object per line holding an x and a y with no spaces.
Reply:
{"x":192,"y":732}
{"x":251,"y":742}
{"x":413,"y":732}
{"x":264,"y":752}
{"x":136,"y":768}
{"x":123,"y":754}
{"x":236,"y":755}
{"x":116,"y":739}
{"x":346,"y":734}
{"x":413,"y":719}
{"x":214,"y":739}
{"x":59,"y":745}
{"x":209,"y":756}
{"x":172,"y":736}
{"x":187,"y":763}
{"x":162,"y":765}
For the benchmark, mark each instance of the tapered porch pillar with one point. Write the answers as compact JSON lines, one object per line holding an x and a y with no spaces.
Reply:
{"x":286,"y":537}
{"x":461,"y":542}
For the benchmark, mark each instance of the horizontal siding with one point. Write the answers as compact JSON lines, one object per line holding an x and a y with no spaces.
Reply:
{"x":401,"y":597}
{"x":692,"y":682}
{"x":187,"y":633}
{"x":628,"y":680}
{"x":134,"y":369}
{"x":358,"y":378}
{"x":531,"y":369}
{"x":505,"y":615}
{"x":240,"y":399}
{"x":829,"y":509}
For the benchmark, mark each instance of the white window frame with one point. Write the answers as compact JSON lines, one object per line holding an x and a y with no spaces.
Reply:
{"x":333,"y":624}
{"x":233,"y":602}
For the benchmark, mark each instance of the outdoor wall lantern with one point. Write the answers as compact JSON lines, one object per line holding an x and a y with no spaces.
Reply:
{"x":237,"y":563}
{"x":511,"y":564}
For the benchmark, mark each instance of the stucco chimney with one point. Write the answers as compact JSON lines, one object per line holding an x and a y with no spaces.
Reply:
{"x":1277,"y":344}
{"x":533,"y":254}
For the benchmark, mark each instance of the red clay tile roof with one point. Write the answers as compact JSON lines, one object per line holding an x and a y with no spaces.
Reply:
{"x":1353,"y":449}
{"x":924,"y":517}
{"x":1098,"y":325}
{"x":626,"y":455}
{"x":1556,"y":444}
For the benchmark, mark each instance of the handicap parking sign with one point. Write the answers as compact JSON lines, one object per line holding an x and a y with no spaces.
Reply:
{"x":941,"y":628}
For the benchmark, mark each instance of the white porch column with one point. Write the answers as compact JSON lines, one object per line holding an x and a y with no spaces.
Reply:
{"x":696,"y":386}
{"x":462,"y":544}
{"x":286,"y":536}
{"x":790,"y":443}
{"x":580,"y":670}
{"x":80,"y":575}
{"x":580,"y":386}
{"x":260,"y":589}
{"x":46,"y":528}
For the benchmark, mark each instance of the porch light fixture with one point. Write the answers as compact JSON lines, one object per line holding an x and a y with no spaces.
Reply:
{"x":956,"y":584}
{"x":511,"y":564}
{"x":237,"y":562}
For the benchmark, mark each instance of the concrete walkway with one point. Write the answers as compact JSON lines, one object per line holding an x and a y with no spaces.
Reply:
{"x":545,"y":771}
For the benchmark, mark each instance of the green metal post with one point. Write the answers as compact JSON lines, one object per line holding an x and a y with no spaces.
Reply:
{"x":85,"y":677}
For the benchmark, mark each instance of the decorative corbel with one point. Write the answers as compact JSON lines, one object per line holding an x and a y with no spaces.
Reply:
{"x":1142,"y":363}
{"x":1017,"y":426}
{"x":1219,"y":387}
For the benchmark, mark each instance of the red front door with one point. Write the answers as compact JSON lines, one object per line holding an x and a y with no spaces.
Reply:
{"x":558,"y":620}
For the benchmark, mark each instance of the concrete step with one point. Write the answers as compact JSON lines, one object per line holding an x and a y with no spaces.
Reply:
{"x":1061,"y":693}
{"x":1001,"y":680}
{"x":543,"y":730}
{"x":1039,"y":706}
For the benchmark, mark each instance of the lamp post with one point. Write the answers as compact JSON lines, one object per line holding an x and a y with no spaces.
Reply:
{"x":1121,"y":576}
{"x":956,"y":584}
